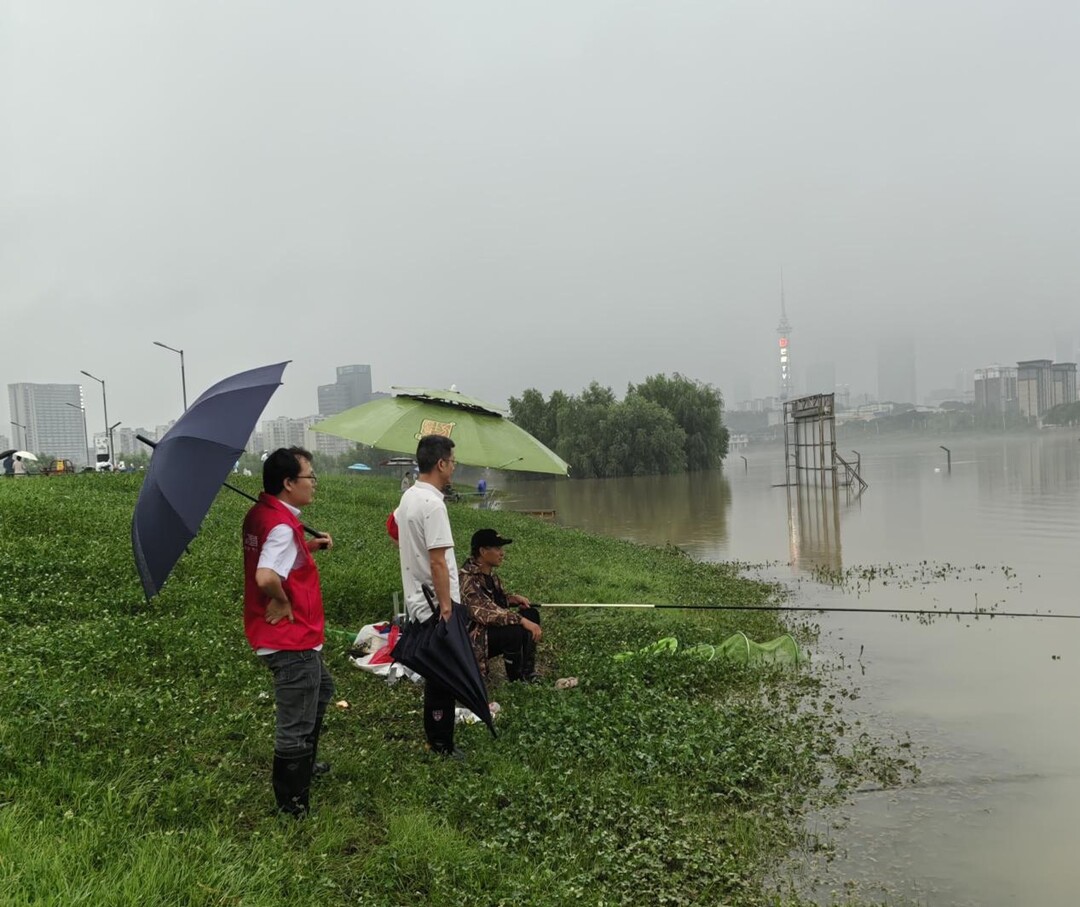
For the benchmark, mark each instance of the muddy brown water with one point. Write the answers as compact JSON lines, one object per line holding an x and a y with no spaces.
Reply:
{"x":991,"y":706}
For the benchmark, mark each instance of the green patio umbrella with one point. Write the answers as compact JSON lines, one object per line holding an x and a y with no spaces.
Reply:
{"x":482,"y":435}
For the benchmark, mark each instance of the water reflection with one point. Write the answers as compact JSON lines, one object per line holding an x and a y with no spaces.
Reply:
{"x":1047,"y":465}
{"x":690,"y":510}
{"x":814,"y":527}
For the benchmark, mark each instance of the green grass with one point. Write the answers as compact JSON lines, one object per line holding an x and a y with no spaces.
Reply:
{"x":135,"y":738}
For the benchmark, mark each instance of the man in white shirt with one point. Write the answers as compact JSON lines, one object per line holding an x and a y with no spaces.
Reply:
{"x":426,"y":549}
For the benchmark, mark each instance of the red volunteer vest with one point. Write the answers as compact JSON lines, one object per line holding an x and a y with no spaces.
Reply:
{"x":301,"y":586}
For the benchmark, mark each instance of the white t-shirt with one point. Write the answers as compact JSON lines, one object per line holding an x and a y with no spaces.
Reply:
{"x":280,"y":552}
{"x":423,"y":524}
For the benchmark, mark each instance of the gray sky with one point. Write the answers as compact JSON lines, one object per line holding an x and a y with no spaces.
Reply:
{"x":502,"y":194}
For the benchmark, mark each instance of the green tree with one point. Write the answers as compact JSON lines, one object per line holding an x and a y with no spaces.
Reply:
{"x":600,"y":436}
{"x":1063,"y":414}
{"x":698,"y":409}
{"x":582,"y":431}
{"x":535,"y":415}
{"x":642,"y":438}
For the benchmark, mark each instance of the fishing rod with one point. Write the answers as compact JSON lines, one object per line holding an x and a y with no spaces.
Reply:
{"x":818,"y":610}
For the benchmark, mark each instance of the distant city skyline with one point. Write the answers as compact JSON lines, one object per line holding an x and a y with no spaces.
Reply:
{"x":810,"y":377}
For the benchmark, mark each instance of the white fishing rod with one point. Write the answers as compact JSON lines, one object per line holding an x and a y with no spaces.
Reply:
{"x":979,"y":612}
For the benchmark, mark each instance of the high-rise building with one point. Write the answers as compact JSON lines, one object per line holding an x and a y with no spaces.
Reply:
{"x":896,"y":371}
{"x":1034,"y":387}
{"x":996,"y":391}
{"x":49,"y":419}
{"x":284,"y":432}
{"x":353,"y":387}
{"x":126,"y":442}
{"x":1062,"y":383}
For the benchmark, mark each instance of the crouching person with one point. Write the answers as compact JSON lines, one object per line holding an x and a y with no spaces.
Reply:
{"x":495,"y":628}
{"x":283,"y":620}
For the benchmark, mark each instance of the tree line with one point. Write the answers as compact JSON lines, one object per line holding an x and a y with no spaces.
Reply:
{"x":663,"y":425}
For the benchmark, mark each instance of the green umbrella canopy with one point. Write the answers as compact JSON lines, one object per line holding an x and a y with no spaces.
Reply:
{"x":482,"y":436}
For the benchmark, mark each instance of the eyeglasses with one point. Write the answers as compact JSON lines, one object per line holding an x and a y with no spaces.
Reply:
{"x":312,"y":476}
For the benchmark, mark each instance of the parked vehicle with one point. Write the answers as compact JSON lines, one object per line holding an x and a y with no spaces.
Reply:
{"x":58,"y":467}
{"x":102,"y":463}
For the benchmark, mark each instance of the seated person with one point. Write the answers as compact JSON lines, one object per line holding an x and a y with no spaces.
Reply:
{"x":496,"y":629}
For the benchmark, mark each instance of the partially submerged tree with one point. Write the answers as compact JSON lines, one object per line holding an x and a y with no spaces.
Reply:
{"x":664,"y":425}
{"x":698,"y":408}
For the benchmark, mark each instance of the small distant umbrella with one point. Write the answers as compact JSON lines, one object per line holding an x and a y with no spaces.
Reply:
{"x":441,"y":651}
{"x":360,"y":467}
{"x":398,"y":461}
{"x":482,"y":435}
{"x":189,"y":466}
{"x":23,"y":455}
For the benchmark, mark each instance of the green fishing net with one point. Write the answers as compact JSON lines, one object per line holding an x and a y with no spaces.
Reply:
{"x":737,"y":647}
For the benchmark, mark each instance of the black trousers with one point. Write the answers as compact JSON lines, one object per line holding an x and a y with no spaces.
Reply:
{"x":515,"y":644}
{"x":438,"y":716}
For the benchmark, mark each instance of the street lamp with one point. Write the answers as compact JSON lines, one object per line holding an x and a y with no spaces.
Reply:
{"x":183,"y":378}
{"x":25,"y":435}
{"x":105,"y":406}
{"x":86,"y":435}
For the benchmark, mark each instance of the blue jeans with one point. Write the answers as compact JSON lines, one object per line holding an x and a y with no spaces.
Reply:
{"x":302,"y":689}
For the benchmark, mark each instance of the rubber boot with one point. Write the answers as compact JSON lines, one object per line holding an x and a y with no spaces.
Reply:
{"x":292,"y":783}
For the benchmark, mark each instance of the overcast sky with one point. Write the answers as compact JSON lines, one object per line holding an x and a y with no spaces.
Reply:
{"x":508,"y":194}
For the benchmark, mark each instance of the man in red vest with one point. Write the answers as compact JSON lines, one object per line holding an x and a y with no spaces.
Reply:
{"x":283,"y":620}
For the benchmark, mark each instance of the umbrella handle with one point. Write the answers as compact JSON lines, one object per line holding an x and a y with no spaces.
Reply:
{"x":430,"y":596}
{"x":307,"y":528}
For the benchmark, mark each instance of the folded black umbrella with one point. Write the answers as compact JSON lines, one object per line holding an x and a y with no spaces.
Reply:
{"x":440,"y":650}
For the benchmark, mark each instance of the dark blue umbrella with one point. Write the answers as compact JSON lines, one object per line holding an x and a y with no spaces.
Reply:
{"x":189,"y":466}
{"x":440,"y":650}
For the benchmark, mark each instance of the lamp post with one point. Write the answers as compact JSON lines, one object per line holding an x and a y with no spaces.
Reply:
{"x":23,"y":427}
{"x":86,"y":434}
{"x":183,"y":378}
{"x":105,"y":406}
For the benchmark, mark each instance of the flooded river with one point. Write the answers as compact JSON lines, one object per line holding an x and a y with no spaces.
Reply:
{"x":990,"y":705}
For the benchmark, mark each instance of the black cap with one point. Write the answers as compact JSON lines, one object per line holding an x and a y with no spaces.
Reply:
{"x":487,"y":538}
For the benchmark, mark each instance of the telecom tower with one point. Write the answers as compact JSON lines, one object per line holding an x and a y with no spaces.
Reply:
{"x":784,"y":330}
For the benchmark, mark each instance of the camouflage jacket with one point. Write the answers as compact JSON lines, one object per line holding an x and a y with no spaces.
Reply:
{"x":482,"y":594}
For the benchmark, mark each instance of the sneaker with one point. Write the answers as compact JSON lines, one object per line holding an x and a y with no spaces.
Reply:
{"x":320,"y":768}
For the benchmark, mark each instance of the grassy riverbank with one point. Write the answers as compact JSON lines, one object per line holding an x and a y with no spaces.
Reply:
{"x":135,"y":739}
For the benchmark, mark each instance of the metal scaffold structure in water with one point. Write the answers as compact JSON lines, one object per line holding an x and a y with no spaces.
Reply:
{"x":814,"y":474}
{"x":810,"y":454}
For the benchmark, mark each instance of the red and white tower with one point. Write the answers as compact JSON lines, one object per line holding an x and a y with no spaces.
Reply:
{"x":784,"y":330}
